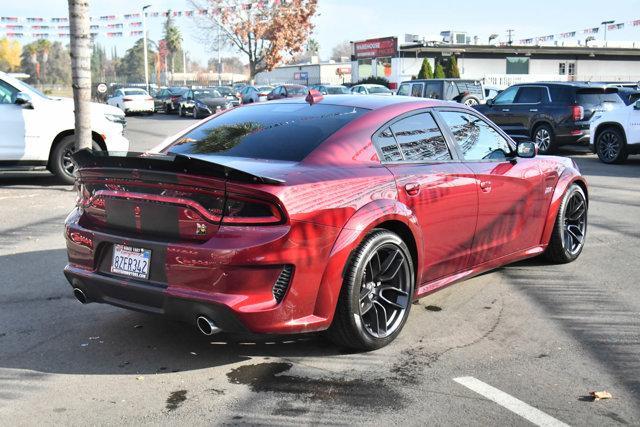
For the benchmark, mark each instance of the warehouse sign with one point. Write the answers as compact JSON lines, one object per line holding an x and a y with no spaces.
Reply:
{"x":376,"y":48}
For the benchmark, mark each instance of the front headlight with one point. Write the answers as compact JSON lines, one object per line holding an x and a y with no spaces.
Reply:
{"x":116,"y":118}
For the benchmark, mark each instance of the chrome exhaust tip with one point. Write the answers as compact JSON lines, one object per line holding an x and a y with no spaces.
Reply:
{"x":206,"y":326}
{"x":80,"y":296}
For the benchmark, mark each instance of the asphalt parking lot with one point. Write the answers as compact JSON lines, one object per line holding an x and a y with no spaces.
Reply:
{"x":544,"y":334}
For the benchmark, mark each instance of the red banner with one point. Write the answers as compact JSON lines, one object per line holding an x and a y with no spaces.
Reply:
{"x":376,"y":48}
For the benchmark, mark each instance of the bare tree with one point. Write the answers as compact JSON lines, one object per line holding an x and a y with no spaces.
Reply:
{"x":341,"y":50}
{"x":80,"y":52}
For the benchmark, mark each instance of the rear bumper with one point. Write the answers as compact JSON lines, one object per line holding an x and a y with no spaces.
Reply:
{"x":229,"y":278}
{"x":577,"y":133}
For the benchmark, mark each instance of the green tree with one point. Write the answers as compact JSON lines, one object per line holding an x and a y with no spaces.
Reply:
{"x":439,"y":72}
{"x":131,"y":67}
{"x":98,"y":63}
{"x":451,"y":69}
{"x":174,"y":41}
{"x":425,"y":71}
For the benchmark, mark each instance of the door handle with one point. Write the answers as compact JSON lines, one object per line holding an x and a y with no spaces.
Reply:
{"x":485,"y":186}
{"x":412,"y":188}
{"x":533,"y":110}
{"x":506,"y":110}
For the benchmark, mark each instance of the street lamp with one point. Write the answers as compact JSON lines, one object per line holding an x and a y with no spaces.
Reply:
{"x":588,"y":39}
{"x":492,"y":36}
{"x":144,"y":37}
{"x":605,"y":23}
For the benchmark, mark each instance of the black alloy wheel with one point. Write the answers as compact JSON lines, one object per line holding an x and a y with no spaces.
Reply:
{"x":376,"y":294}
{"x":611,"y":147}
{"x":570,"y":230}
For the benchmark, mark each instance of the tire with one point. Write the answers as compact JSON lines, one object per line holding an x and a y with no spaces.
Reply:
{"x":167,"y":109}
{"x":570,"y":229}
{"x":611,"y":146}
{"x":363,"y":288}
{"x":544,"y":137}
{"x":195,"y":113}
{"x":180,"y":111}
{"x":59,"y":160}
{"x":470,"y":101}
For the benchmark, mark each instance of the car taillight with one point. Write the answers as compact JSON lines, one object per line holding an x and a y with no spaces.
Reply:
{"x":82,"y":194}
{"x":241,"y":210}
{"x":148,"y":98}
{"x":263,"y":93}
{"x":127,"y":99}
{"x":577,"y":113}
{"x":174,"y":98}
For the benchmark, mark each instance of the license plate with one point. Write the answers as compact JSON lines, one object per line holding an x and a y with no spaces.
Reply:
{"x":130,"y":261}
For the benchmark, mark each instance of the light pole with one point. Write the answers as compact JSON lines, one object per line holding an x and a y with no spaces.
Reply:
{"x":144,"y":37}
{"x":605,"y":23}
{"x":184,"y":67}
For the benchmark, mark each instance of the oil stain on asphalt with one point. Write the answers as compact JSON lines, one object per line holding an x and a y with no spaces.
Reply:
{"x":357,"y":393}
{"x":176,"y":399}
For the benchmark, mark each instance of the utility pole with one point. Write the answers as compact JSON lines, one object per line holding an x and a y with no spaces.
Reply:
{"x":80,"y":51}
{"x":144,"y":38}
{"x":510,"y":34}
{"x":219,"y":59}
{"x":605,"y":24}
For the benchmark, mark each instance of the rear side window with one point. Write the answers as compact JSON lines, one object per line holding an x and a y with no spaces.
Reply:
{"x":387,"y":145}
{"x":420,"y":139}
{"x":271,"y":131}
{"x":474,"y":136}
{"x":433,"y":90}
{"x":562,"y":94}
{"x":598,"y":97}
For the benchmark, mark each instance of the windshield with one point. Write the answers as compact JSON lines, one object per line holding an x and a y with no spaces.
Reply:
{"x":177,"y":90}
{"x":336,"y":90}
{"x":271,"y":131}
{"x":201,"y":94}
{"x":134,"y":92}
{"x":378,"y":89}
{"x":264,"y":88}
{"x":34,"y":90}
{"x":224,"y":90}
{"x":297,"y":90}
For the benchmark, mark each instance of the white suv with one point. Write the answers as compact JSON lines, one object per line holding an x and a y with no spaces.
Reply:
{"x":38,"y":131}
{"x":616,"y":134}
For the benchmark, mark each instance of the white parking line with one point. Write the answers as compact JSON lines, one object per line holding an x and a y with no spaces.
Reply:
{"x":516,"y":406}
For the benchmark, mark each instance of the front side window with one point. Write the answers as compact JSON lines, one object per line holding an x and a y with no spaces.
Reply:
{"x":506,"y":97}
{"x":272,"y":131}
{"x":475,"y":137}
{"x":433,"y":90}
{"x":404,"y":90}
{"x":7,"y":93}
{"x":530,"y":95}
{"x":420,"y":139}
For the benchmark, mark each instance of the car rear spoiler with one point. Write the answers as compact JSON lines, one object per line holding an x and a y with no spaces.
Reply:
{"x":177,"y":163}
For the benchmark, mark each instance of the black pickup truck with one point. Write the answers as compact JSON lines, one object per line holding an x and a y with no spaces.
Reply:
{"x":550,"y":113}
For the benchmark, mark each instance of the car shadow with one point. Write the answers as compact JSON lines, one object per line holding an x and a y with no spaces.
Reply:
{"x":32,"y":179}
{"x":43,"y":328}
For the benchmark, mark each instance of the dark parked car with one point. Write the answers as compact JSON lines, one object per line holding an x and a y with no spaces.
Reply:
{"x":228,"y":92}
{"x":167,"y":99}
{"x":202,"y":103}
{"x":287,"y":91}
{"x":468,"y":92}
{"x":331,"y":89}
{"x":552,"y":114}
{"x":291,"y":217}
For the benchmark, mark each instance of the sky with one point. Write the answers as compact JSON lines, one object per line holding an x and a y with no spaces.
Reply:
{"x":350,"y":20}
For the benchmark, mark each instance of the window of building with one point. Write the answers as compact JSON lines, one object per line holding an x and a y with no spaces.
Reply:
{"x":365,"y":68}
{"x":562,"y":68}
{"x":420,"y":139}
{"x":383,"y":67}
{"x":572,"y":68}
{"x":476,"y":138}
{"x":517,"y":65}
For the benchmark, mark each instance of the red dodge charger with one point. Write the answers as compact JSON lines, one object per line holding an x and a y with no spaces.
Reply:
{"x":316,"y":214}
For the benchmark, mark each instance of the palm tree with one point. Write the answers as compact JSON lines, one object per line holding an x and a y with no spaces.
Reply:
{"x":80,"y":52}
{"x":173,"y":39}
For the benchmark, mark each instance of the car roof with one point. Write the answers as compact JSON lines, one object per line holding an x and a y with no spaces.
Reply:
{"x":443,"y":80}
{"x":371,"y":102}
{"x":577,"y":85}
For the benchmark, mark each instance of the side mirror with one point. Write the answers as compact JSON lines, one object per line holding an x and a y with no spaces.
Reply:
{"x":23,"y":99}
{"x":490,"y":102}
{"x":636,"y":106}
{"x":527,"y":150}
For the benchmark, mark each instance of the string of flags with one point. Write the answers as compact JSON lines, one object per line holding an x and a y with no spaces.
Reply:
{"x":574,"y":34}
{"x":128,"y":25}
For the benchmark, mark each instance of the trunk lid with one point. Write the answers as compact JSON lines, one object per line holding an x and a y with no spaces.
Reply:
{"x":594,"y":100}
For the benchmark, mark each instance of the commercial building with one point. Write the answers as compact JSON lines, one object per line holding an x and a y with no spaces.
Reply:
{"x":500,"y":65}
{"x":307,"y":74}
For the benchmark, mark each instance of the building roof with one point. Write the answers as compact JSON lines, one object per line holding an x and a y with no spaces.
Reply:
{"x":520,"y":50}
